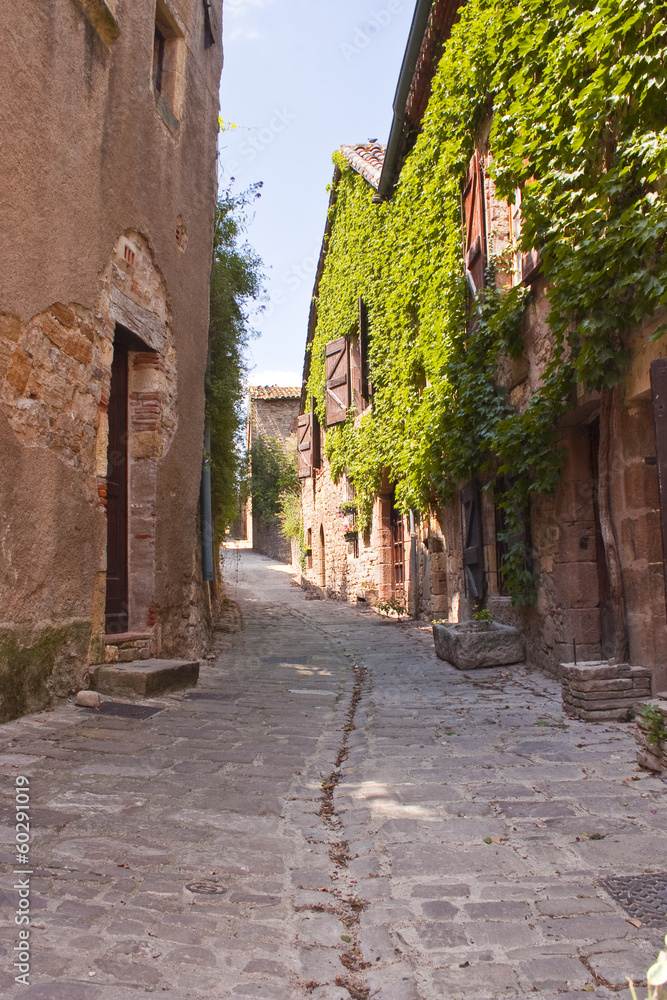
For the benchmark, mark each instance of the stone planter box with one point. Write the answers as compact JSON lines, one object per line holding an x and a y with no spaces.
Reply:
{"x":470,"y":645}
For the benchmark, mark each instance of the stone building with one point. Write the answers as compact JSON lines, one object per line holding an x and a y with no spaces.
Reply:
{"x":272,"y":415}
{"x":596,"y":543}
{"x":109,"y":127}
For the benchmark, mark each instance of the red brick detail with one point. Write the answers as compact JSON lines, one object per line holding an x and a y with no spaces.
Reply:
{"x":153,"y":615}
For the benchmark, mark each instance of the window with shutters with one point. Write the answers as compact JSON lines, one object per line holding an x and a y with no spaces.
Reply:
{"x":473,"y":547}
{"x":475,"y":227}
{"x":337,"y":355}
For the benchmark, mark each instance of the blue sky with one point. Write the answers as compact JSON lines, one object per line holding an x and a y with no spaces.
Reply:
{"x":301,"y":78}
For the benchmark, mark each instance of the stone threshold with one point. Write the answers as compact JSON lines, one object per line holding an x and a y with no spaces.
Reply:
{"x":144,"y":677}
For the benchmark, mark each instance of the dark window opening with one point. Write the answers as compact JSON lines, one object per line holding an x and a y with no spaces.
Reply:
{"x":158,"y":61}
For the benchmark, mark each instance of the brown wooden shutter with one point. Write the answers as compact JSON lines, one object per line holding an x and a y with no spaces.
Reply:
{"x":659,"y":392}
{"x":304,"y":445}
{"x":355,"y":374}
{"x":366,"y":387}
{"x":473,"y":547}
{"x":337,"y":380}
{"x":316,"y":436}
{"x":475,"y":233}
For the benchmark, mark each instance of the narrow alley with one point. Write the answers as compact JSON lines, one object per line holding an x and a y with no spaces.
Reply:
{"x":333,"y":812}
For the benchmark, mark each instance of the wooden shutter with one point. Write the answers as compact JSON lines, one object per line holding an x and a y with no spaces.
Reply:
{"x":366,"y":387}
{"x":473,"y":548}
{"x":304,"y":445}
{"x":475,"y":232}
{"x":659,"y":392}
{"x":315,"y":437}
{"x":355,"y":374}
{"x":337,"y":380}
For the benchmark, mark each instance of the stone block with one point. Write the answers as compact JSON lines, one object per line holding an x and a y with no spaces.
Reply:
{"x":612,"y":684}
{"x":467,"y":646}
{"x":594,"y":670}
{"x":111,"y":654}
{"x":10,"y":327}
{"x":145,"y":677}
{"x":576,"y":584}
{"x":88,"y":699}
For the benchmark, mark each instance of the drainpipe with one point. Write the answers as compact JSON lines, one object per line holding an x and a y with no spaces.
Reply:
{"x":206,"y":511}
{"x":395,"y":141}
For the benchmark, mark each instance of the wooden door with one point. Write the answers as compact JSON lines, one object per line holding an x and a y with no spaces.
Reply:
{"x":116,"y":612}
{"x":397,"y":548}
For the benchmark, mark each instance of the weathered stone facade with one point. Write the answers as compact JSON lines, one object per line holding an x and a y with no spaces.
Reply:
{"x":106,"y":247}
{"x":596,"y":543}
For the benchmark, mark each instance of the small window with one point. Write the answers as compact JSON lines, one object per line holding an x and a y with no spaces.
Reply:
{"x":168,"y":66}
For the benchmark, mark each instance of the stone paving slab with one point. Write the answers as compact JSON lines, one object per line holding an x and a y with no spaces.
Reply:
{"x":383,"y":826}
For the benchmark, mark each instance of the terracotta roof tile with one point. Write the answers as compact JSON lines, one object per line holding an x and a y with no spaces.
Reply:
{"x":366,"y":159}
{"x":274,"y":392}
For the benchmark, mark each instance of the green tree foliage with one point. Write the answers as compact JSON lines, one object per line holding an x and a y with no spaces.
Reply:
{"x":235,"y":284}
{"x":273,"y":470}
{"x":576,"y":90}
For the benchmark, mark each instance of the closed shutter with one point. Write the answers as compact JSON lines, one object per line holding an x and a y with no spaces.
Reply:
{"x":659,"y":392}
{"x":337,"y":380}
{"x":475,"y":234}
{"x":366,"y":387}
{"x":304,"y":438}
{"x":473,"y":548}
{"x":315,"y":437}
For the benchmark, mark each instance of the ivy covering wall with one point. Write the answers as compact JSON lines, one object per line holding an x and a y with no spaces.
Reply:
{"x":576,"y":95}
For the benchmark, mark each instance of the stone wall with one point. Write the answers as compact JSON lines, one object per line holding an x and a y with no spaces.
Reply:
{"x":272,"y":413}
{"x":101,"y":226}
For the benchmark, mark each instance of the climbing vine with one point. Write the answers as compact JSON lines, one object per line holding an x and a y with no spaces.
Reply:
{"x":575,"y":93}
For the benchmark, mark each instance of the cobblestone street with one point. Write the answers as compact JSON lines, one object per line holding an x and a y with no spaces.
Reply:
{"x":333,"y":812}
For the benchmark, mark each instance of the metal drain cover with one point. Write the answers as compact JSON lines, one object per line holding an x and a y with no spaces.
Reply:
{"x":644,"y":897}
{"x":128,"y":711}
{"x":206,"y":888}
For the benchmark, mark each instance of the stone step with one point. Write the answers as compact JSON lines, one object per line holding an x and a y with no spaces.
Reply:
{"x":144,"y":677}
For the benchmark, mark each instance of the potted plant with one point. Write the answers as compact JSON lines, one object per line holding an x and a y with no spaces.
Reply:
{"x":481,"y":642}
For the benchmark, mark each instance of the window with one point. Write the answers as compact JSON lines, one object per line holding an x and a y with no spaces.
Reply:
{"x":168,"y":66}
